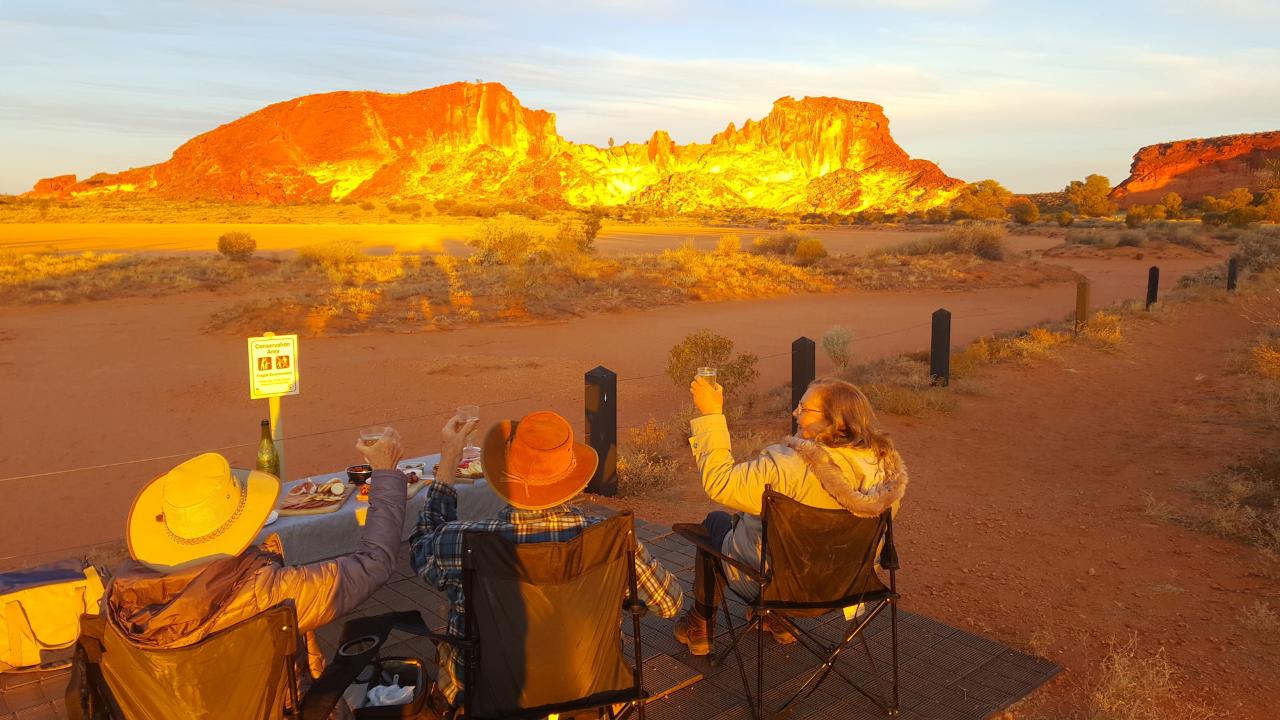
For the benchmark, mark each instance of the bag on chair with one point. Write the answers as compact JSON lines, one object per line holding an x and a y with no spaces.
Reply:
{"x":40,"y":610}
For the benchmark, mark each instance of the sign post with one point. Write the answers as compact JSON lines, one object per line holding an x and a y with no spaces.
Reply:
{"x":273,"y":372}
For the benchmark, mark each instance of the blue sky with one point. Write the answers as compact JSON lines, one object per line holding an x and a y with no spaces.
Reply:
{"x":1033,"y":94}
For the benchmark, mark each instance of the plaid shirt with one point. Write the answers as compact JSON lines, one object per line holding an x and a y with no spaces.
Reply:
{"x":436,"y":556}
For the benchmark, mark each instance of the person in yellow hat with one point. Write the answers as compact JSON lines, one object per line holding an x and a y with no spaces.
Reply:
{"x":537,"y":467}
{"x":194,"y":571}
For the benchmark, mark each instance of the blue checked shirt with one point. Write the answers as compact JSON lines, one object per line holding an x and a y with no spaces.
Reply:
{"x":436,"y":556}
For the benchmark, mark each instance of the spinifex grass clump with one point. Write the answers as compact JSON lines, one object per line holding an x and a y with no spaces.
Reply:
{"x":979,"y":240}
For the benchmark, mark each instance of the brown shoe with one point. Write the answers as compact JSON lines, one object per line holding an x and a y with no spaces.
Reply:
{"x":695,"y":632}
{"x":778,"y":629}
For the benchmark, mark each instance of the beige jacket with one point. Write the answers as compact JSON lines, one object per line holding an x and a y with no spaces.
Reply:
{"x":851,"y":479}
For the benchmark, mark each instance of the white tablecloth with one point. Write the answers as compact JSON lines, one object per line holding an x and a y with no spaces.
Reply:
{"x":308,"y":538}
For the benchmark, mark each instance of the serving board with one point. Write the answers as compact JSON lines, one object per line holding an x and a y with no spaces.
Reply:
{"x":347,"y":491}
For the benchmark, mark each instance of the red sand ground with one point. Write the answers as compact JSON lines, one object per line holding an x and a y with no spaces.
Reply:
{"x":1024,"y":520}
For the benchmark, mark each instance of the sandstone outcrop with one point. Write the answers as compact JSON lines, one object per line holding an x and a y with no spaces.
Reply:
{"x":476,"y":142}
{"x":1195,"y":168}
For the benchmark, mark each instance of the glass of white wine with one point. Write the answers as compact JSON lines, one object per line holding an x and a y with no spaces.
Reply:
{"x":371,"y":435}
{"x":469,"y":412}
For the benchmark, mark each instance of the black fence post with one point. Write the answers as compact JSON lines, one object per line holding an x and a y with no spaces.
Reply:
{"x":940,"y":348}
{"x":601,"y":401}
{"x":1233,"y":272}
{"x":1153,"y":286}
{"x":1082,"y":304}
{"x":804,"y":360}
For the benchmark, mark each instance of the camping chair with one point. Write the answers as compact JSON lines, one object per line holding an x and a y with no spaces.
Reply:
{"x":541,"y":630}
{"x":814,"y":561}
{"x":248,"y":670}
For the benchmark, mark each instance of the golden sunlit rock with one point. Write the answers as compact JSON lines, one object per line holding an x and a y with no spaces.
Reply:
{"x":1195,"y":168}
{"x":476,"y":142}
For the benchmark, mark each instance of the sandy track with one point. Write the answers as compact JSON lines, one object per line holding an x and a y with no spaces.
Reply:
{"x":103,"y":382}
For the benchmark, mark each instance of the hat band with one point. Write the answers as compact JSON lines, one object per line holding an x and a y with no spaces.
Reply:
{"x":244,"y":499}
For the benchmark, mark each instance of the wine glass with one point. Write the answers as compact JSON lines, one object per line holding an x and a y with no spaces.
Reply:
{"x":371,"y":435}
{"x":469,"y":412}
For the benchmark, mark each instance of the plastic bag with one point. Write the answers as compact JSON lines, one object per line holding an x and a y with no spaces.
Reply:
{"x":392,"y":694}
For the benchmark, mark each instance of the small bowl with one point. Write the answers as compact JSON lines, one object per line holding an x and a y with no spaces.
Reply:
{"x":359,"y":474}
{"x":417,"y":468}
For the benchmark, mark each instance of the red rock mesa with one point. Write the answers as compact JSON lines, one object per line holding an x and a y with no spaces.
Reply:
{"x":1195,"y":168}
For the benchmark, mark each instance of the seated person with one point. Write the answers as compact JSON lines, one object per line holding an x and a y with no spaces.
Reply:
{"x":536,"y":467}
{"x":194,"y":571}
{"x":840,"y":459}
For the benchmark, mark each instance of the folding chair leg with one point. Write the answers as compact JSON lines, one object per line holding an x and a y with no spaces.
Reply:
{"x":893,"y":631}
{"x":760,"y":664}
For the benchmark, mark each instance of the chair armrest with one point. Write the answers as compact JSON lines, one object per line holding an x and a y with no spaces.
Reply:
{"x":697,"y":535}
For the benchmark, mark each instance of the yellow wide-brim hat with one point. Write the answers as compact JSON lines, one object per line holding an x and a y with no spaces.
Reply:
{"x":200,"y":510}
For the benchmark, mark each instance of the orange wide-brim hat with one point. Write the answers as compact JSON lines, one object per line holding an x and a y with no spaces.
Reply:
{"x":533,"y":463}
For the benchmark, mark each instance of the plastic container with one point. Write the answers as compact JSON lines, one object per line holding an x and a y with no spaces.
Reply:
{"x":411,"y":672}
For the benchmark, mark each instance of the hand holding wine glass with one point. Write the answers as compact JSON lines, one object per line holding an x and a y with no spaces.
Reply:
{"x":470,"y":413}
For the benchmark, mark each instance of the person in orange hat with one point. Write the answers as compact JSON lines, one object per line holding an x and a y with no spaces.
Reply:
{"x":535,"y":465}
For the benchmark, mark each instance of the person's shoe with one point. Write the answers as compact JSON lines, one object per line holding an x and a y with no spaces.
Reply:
{"x":778,"y":629}
{"x":695,"y":632}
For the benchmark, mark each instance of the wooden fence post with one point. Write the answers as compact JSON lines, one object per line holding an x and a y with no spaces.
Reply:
{"x":1233,"y":272}
{"x":1153,"y":286}
{"x":804,"y":360}
{"x":1082,"y":304}
{"x":601,"y":401}
{"x":940,"y":348}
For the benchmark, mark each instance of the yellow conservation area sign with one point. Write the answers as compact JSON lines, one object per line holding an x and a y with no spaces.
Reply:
{"x":273,"y":366}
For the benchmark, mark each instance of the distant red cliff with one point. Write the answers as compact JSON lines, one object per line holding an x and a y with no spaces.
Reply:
{"x":475,"y":141}
{"x":1195,"y":168}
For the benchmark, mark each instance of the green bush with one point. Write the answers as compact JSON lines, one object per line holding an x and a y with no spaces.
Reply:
{"x":366,"y":205}
{"x":1092,"y":196}
{"x":1130,"y":238}
{"x":705,"y":348}
{"x":809,"y":251}
{"x":237,"y":245}
{"x":983,"y":200}
{"x":1065,"y":218}
{"x":783,"y":243}
{"x":331,"y":254}
{"x":1090,"y":238}
{"x":578,"y":233}
{"x":1259,"y":250}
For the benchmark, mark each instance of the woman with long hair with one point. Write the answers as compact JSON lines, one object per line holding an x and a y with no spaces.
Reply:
{"x":839,"y":459}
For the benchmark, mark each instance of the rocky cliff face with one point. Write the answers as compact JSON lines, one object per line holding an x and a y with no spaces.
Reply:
{"x":476,"y":142}
{"x":1195,"y":168}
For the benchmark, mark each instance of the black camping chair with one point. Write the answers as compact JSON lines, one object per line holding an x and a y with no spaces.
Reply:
{"x":542,"y":624}
{"x":246,"y":670}
{"x":815,"y":561}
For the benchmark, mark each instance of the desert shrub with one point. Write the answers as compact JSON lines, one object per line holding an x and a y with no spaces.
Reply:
{"x":983,"y":200}
{"x":237,"y":246}
{"x":1172,"y":203}
{"x":1260,"y":619}
{"x":1258,"y":251}
{"x":900,"y":385}
{"x":578,"y":232}
{"x":1234,"y":200}
{"x":984,"y":241}
{"x":783,"y":243}
{"x":1023,"y":211}
{"x":645,"y":464}
{"x":705,"y":348}
{"x":729,"y":244}
{"x":935,"y":215}
{"x":1130,"y":238}
{"x":504,"y":241}
{"x":835,"y":343}
{"x":366,"y":205}
{"x":331,"y":254}
{"x":711,"y":276}
{"x":809,"y":251}
{"x":1242,"y":501}
{"x":1034,"y":344}
{"x":1065,"y":218}
{"x":407,"y":208}
{"x":1092,"y":196}
{"x":1209,"y":278}
{"x":1090,"y":238}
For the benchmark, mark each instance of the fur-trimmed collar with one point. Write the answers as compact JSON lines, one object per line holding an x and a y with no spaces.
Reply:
{"x":863,"y":503}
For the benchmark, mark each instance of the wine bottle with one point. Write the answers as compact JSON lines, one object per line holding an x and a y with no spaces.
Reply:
{"x":268,"y":458}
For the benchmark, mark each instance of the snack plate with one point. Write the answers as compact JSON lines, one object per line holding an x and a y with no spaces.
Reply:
{"x":347,"y":492}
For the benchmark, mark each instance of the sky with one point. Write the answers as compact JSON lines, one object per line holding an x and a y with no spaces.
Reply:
{"x":1033,"y":94}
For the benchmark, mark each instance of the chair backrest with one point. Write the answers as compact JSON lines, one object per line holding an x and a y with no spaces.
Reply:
{"x":546,"y":620}
{"x":817,"y":558}
{"x":244,"y":671}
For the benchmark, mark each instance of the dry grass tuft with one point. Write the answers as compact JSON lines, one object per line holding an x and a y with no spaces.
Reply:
{"x":644,"y":461}
{"x":1136,"y":687}
{"x":1103,"y":329}
{"x":1242,"y":501}
{"x":1260,"y":619}
{"x":901,"y":385}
